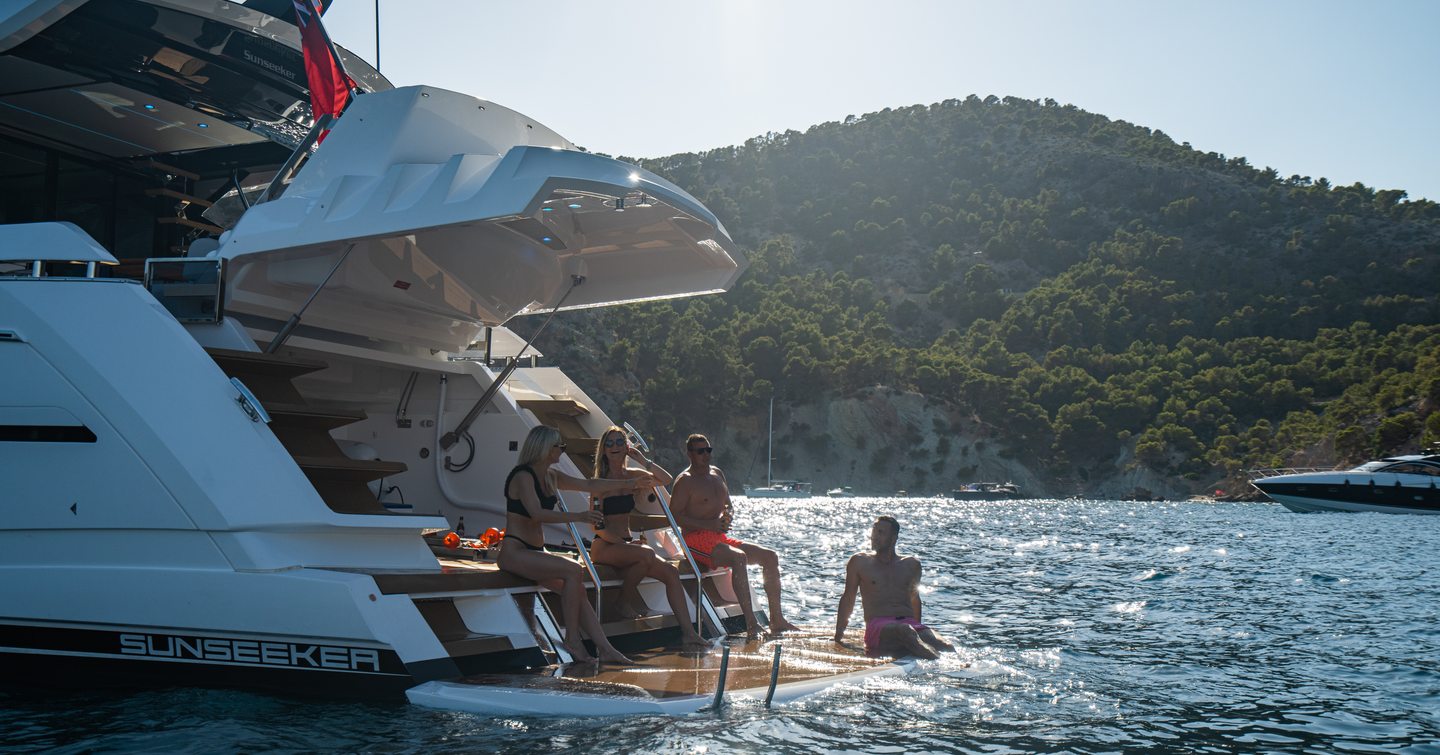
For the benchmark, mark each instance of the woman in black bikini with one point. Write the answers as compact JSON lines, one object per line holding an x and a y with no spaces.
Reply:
{"x":613,"y":544}
{"x":531,"y":492}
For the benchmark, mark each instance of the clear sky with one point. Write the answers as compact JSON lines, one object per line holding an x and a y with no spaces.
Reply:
{"x":1343,"y":90}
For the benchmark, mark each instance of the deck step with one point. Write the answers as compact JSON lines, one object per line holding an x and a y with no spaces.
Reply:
{"x":308,"y":417}
{"x":236,"y":363}
{"x":305,"y":431}
{"x":268,"y":376}
{"x":340,"y":468}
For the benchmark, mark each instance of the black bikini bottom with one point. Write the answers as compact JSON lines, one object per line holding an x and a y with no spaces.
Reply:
{"x":517,"y":539}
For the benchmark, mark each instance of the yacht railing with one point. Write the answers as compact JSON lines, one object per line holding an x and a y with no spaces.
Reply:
{"x":585,"y":558}
{"x":287,"y":172}
{"x":1261,"y":472}
{"x":35,"y":268}
{"x":702,"y":603}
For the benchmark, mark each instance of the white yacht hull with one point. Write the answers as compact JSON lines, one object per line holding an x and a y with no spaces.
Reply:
{"x":1398,"y":485}
{"x":764,"y":493}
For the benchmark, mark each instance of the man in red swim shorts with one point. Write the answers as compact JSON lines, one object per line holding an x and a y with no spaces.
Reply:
{"x":889,"y":585}
{"x":701,"y":505}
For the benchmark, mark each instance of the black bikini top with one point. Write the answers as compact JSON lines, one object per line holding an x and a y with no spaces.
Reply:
{"x":618,"y":504}
{"x":515,"y":505}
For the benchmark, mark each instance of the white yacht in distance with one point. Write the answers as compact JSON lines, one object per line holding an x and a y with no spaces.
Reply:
{"x":1396,"y":485}
{"x":222,"y":476}
{"x":775,"y":488}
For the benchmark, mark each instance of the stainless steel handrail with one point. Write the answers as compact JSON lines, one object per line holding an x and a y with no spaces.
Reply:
{"x":449,"y":439}
{"x":720,"y":682}
{"x":585,"y":557}
{"x":701,"y":601}
{"x":663,"y":497}
{"x":292,"y":164}
{"x":774,"y":675}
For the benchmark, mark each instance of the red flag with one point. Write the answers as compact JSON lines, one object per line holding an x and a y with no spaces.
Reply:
{"x":329,"y":85}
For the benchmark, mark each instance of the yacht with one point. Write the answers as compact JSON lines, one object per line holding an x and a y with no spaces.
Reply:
{"x":246,"y":371}
{"x":1396,"y":485}
{"x":775,"y":488}
{"x":987,"y":491}
{"x":780,"y":489}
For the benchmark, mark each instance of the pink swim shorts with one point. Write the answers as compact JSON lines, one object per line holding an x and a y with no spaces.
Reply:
{"x":873,"y":627}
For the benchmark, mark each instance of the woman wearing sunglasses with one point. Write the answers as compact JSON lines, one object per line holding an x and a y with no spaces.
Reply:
{"x":614,"y":545}
{"x":531,"y":492}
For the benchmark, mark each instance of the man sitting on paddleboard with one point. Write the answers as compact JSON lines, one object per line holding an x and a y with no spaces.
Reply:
{"x":889,"y":586}
{"x":701,"y":505}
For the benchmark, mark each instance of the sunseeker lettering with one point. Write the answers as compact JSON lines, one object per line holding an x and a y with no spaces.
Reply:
{"x":269,"y":65}
{"x":256,"y":652}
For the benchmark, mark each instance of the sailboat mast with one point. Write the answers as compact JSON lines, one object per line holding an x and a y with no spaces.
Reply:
{"x":770,"y":443}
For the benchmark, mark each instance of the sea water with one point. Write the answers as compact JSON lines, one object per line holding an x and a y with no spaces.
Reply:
{"x":1083,"y":626}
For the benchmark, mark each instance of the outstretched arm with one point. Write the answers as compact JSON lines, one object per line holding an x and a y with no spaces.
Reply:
{"x":601,"y":485}
{"x":847,"y":598}
{"x":524,"y":491}
{"x":915,"y":592}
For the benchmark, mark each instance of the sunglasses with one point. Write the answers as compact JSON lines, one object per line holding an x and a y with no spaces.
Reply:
{"x":560,"y":445}
{"x":613,"y":442}
{"x":702,"y":450}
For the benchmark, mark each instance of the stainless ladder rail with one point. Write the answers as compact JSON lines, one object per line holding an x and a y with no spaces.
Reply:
{"x":702,"y":602}
{"x":585,"y":558}
{"x":550,"y":628}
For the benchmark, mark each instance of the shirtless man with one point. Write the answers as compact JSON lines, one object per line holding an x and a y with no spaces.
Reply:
{"x":888,"y":584}
{"x":701,"y":505}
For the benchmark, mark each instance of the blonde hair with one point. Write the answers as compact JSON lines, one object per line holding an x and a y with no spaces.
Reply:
{"x":537,"y":444}
{"x":602,"y":464}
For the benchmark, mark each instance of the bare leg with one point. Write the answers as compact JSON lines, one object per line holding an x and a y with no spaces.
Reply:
{"x":675,"y":594}
{"x":934,"y":640}
{"x":573,"y":605}
{"x":900,"y":640}
{"x":591,"y":623}
{"x":560,"y":575}
{"x":769,"y":562}
{"x":633,"y":560}
{"x":735,"y":560}
{"x":632,"y":604}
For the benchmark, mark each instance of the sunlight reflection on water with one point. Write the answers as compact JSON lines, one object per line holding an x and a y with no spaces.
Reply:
{"x":1082,"y":626}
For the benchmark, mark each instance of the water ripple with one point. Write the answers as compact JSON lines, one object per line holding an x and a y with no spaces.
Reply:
{"x":1083,"y":626}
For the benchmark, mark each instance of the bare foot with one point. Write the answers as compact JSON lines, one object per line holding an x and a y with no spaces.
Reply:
{"x":752,"y":632}
{"x":578,"y":652}
{"x":614,"y":656}
{"x":694,"y":644}
{"x":628,"y":607}
{"x":780,"y":625}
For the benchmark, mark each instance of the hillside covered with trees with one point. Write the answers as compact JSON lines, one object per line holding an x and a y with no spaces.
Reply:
{"x":1087,"y":295}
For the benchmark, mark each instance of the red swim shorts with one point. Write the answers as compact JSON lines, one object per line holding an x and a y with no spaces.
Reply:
{"x":702,"y":543}
{"x":873,"y":627}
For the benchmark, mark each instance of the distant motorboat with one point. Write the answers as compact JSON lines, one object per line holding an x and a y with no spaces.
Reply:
{"x":1395,"y":485}
{"x":780,"y":489}
{"x":840,"y":493}
{"x":987,"y":491}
